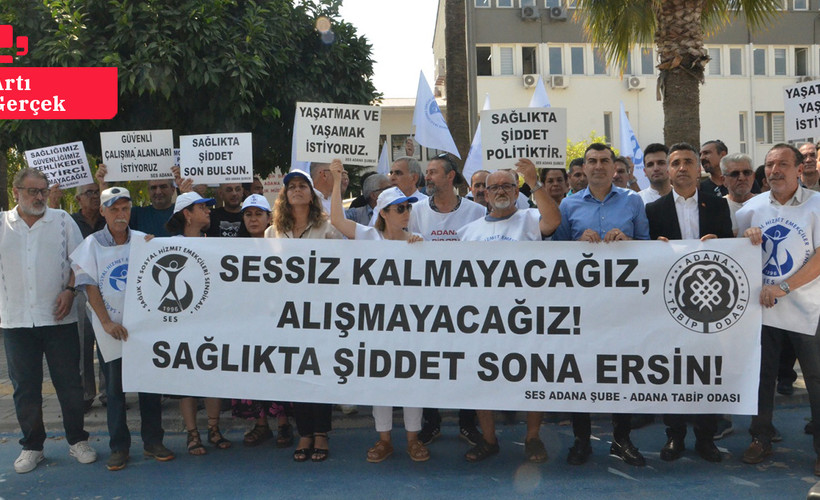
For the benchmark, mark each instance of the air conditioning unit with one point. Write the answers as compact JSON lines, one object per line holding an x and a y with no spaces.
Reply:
{"x":558,"y":13}
{"x":530,"y":81}
{"x":803,"y":79}
{"x":530,"y":13}
{"x":635,"y":83}
{"x":559,"y":81}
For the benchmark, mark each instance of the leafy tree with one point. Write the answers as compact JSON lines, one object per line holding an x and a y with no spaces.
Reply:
{"x":194,"y":66}
{"x":677,"y":27}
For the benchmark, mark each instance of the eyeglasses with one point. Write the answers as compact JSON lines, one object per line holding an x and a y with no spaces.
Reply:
{"x":159,"y":186}
{"x":508,"y":187}
{"x":400,"y":209}
{"x":738,"y":173}
{"x":91,"y":193}
{"x":34,"y":191}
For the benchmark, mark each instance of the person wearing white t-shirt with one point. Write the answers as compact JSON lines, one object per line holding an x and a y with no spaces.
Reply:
{"x":439,"y":217}
{"x":656,"y":169}
{"x":785,"y":222}
{"x":405,"y":174}
{"x":738,"y":177}
{"x":322,"y":183}
{"x":392,"y":210}
{"x":506,"y":222}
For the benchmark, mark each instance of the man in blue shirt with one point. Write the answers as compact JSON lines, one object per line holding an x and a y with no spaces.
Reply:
{"x":602,"y":212}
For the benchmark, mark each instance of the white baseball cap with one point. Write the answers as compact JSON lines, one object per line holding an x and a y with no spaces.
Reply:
{"x":392,"y":196}
{"x":256,"y":200}
{"x":111,"y":195}
{"x":185,"y":200}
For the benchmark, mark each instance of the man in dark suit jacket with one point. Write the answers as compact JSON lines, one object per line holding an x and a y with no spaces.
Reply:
{"x":687,"y":213}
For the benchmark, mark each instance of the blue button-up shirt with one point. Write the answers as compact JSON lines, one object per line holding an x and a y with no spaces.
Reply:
{"x":621,"y":208}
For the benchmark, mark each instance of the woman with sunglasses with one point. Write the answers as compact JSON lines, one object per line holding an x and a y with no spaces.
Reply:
{"x":298,"y":213}
{"x":392,"y":218}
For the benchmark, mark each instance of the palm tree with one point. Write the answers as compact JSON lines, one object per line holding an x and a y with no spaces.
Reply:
{"x":677,"y":27}
{"x":457,"y":81}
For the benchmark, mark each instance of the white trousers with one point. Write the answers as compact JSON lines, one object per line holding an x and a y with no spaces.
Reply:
{"x":383,"y":415}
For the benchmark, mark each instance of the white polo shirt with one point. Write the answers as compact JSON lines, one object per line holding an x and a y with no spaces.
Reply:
{"x":34,"y":267}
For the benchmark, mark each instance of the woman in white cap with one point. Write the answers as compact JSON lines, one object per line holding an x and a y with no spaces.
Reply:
{"x":298,"y":213}
{"x":192,"y":216}
{"x":392,"y":218}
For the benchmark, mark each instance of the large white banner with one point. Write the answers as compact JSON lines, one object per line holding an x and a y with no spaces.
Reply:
{"x":138,"y":155}
{"x":349,"y":132}
{"x":539,"y":134}
{"x":63,"y":164}
{"x":648,"y":327}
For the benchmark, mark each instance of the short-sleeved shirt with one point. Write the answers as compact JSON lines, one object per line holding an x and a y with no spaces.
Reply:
{"x":149,"y":220}
{"x":224,"y":224}
{"x":323,"y":230}
{"x":85,"y":228}
{"x":438,"y":226}
{"x":521,"y":225}
{"x":621,"y":208}
{"x":34,"y":267}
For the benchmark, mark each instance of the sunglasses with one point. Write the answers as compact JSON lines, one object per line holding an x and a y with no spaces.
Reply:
{"x":400,"y":209}
{"x":738,"y":173}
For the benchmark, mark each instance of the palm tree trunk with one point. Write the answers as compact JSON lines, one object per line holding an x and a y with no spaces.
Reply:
{"x":458,"y":107}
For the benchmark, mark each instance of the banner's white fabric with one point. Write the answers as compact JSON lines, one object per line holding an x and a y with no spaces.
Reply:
{"x":647,"y":327}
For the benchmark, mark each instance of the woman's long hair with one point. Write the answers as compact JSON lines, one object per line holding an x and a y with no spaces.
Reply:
{"x":283,"y":211}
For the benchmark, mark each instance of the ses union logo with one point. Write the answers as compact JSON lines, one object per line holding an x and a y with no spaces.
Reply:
{"x":173,"y":280}
{"x":31,"y":93}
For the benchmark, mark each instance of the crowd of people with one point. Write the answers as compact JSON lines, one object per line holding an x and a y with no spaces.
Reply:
{"x":83,"y":258}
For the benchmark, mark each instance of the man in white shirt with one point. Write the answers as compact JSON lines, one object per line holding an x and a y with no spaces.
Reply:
{"x":810,"y":177}
{"x":785,"y":222}
{"x":372,"y":187}
{"x":506,"y":222}
{"x":322,"y":183}
{"x":36,"y":297}
{"x":405,"y":174}
{"x":656,"y":169}
{"x":738,"y":177}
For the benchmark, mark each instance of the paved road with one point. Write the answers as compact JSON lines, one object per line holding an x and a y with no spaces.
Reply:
{"x":267,"y":472}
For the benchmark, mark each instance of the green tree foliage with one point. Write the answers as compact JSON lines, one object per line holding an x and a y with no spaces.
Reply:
{"x":575,"y":149}
{"x":194,"y":66}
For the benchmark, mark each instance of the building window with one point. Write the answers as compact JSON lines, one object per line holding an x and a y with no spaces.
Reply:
{"x":577,"y":60}
{"x":608,"y":127}
{"x":528,"y":60}
{"x":760,"y":61}
{"x":527,"y":3}
{"x":801,"y":61}
{"x":505,"y":3}
{"x":482,"y":3}
{"x":571,"y":4}
{"x":483,"y":61}
{"x":801,"y":4}
{"x":735,"y":61}
{"x":647,"y":61}
{"x":552,"y":3}
{"x":714,"y":61}
{"x":506,"y":60}
{"x":780,"y":62}
{"x":556,"y":61}
{"x":398,"y":149}
{"x":628,"y":65}
{"x":598,"y":61}
{"x":769,"y":128}
{"x":742,"y":131}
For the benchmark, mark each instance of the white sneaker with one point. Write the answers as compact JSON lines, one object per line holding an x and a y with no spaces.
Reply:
{"x":83,"y":452}
{"x":28,"y":460}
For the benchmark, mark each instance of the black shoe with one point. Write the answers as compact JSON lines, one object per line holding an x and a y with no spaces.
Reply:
{"x":470,"y":434}
{"x":707,"y":451}
{"x":785,"y":388}
{"x":579,"y":453}
{"x":429,"y":432}
{"x":673,"y":449}
{"x":627,"y":452}
{"x":808,"y":428}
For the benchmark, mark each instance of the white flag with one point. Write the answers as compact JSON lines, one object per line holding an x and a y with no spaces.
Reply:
{"x":539,"y":97}
{"x":473,"y":162}
{"x":384,"y":160}
{"x":431,"y":129}
{"x":294,"y":164}
{"x":631,"y":149}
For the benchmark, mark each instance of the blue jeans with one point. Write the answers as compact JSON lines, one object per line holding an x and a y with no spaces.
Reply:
{"x":25,"y":348}
{"x":150,"y":411}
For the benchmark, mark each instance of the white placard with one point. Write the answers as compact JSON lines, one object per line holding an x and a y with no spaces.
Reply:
{"x":349,"y":132}
{"x":216,"y":158}
{"x":138,"y":155}
{"x":646,"y":327}
{"x":63,"y":164}
{"x":507,"y":135}
{"x":801,"y":104}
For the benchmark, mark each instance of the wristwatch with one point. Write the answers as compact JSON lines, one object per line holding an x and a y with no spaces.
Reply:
{"x":74,"y":290}
{"x":785,"y":287}
{"x":538,"y":185}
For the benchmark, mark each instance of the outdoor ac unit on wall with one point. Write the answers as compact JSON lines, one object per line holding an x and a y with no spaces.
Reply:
{"x":558,"y":13}
{"x":559,"y":81}
{"x":530,"y":81}
{"x":635,"y":83}
{"x":530,"y":13}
